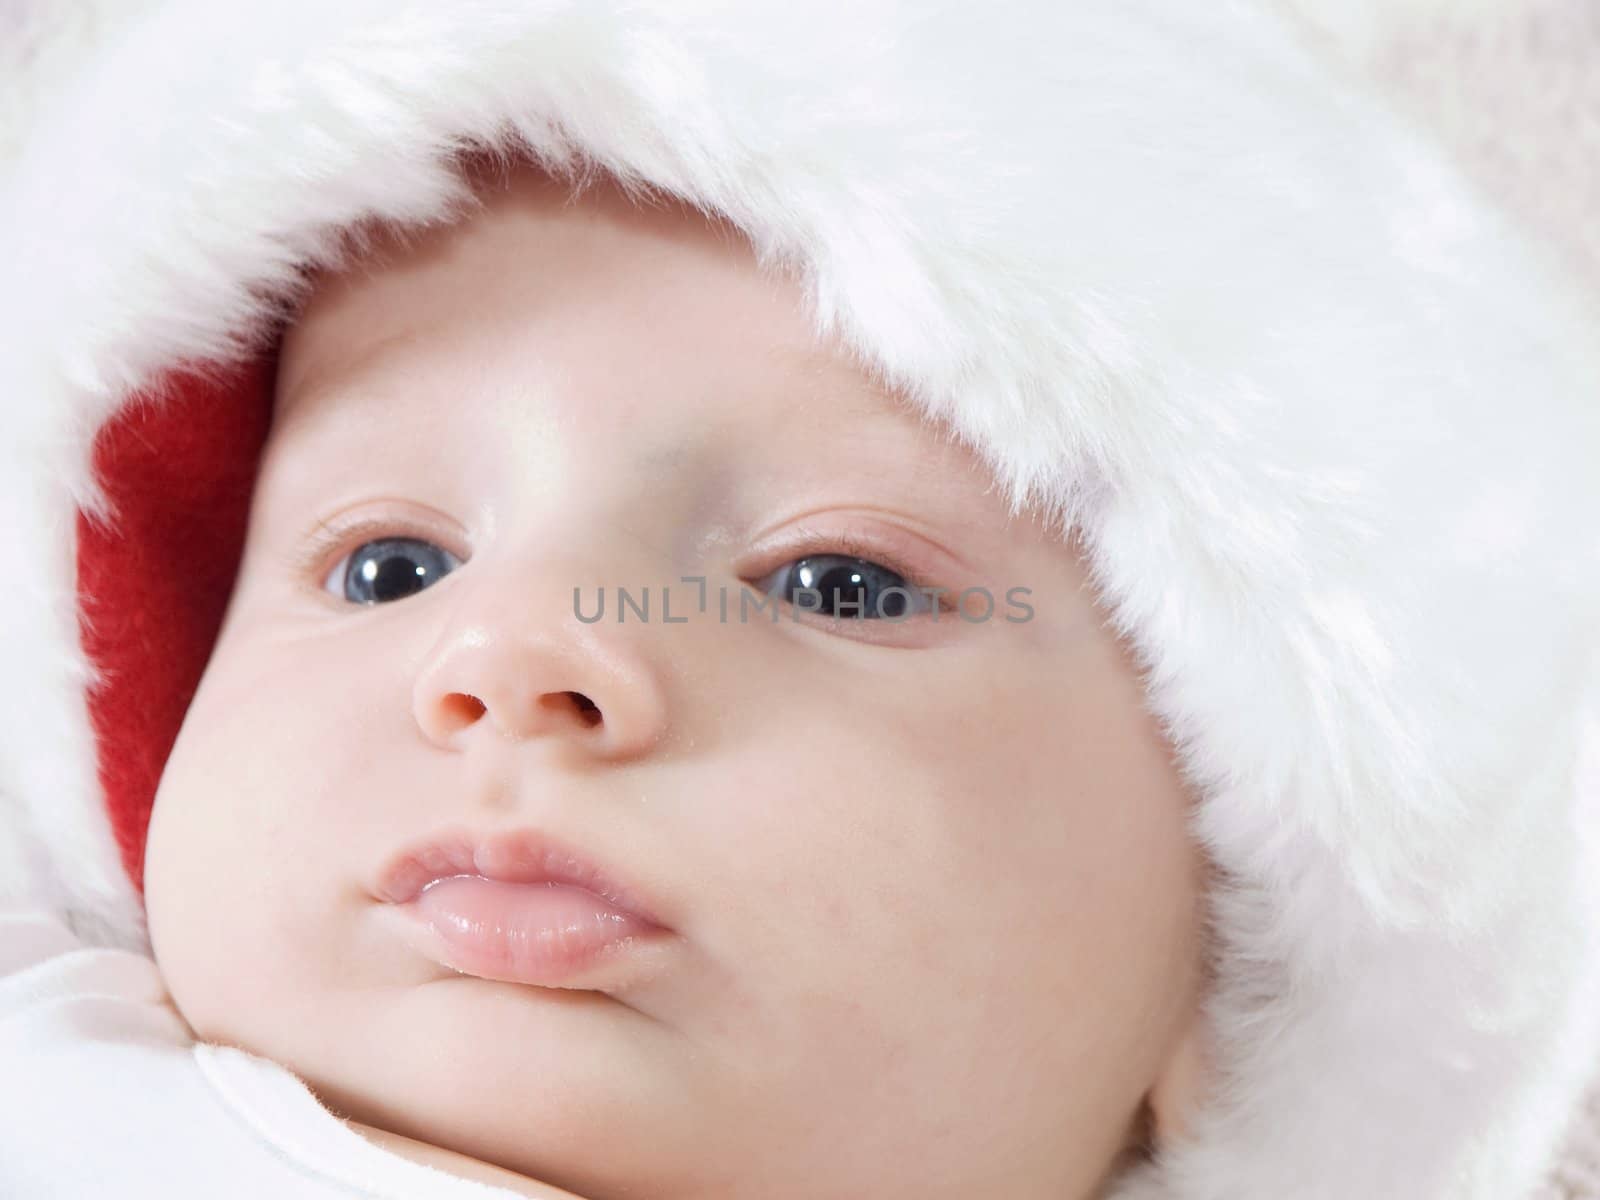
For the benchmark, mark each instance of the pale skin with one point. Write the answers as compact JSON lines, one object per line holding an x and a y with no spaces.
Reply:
{"x":937,"y":912}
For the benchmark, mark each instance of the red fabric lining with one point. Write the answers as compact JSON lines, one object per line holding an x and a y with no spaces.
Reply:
{"x":153,"y":589}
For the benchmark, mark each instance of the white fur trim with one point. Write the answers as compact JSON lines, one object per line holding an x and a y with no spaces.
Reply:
{"x":43,"y":43}
{"x":1329,"y":426}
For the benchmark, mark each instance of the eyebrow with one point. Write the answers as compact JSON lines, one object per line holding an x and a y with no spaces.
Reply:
{"x":357,"y":392}
{"x":329,"y":398}
{"x":820,"y":363}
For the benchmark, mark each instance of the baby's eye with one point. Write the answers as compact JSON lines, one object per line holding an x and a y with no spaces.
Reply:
{"x":844,"y":587}
{"x":390,"y":568}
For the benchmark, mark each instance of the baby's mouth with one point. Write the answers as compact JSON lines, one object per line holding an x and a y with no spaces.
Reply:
{"x":520,"y":907}
{"x":544,"y":934}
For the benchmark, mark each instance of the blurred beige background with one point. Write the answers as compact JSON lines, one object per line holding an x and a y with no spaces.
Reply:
{"x":1511,"y":86}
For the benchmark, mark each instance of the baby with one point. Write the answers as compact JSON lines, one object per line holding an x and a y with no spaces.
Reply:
{"x":840,"y":859}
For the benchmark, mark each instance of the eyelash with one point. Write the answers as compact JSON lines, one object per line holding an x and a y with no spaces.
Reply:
{"x":315,"y":551}
{"x":848,"y":543}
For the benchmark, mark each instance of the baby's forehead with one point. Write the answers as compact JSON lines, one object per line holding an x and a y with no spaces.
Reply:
{"x":539,"y":267}
{"x":626,"y":303}
{"x":595,"y":315}
{"x":798,"y":414}
{"x":764,"y":392}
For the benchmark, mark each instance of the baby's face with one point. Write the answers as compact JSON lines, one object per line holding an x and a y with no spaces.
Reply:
{"x":930,"y":910}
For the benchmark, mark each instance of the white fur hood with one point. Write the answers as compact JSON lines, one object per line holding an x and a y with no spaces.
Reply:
{"x":1328,"y":420}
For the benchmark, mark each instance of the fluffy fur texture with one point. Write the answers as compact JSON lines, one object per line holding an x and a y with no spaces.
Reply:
{"x":1326,"y":418}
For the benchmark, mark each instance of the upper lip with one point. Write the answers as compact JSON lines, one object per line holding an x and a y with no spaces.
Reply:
{"x":508,"y":856}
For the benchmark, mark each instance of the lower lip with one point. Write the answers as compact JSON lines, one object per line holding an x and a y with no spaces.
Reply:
{"x":545,"y":934}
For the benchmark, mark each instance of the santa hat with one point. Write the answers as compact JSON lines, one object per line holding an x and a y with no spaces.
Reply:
{"x":1327,"y":422}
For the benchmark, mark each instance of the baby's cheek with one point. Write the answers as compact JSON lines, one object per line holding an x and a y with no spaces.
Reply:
{"x":204,"y":892}
{"x":234,"y":966}
{"x":188,"y":939}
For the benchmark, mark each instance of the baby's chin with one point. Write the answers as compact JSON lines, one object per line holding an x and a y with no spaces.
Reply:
{"x":534,"y":1081}
{"x":460,"y":1165}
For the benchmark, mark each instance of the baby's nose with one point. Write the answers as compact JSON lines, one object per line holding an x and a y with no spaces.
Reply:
{"x":593,"y":684}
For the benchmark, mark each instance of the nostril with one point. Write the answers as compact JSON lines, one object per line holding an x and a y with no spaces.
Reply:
{"x":588,"y":712}
{"x":461,"y":710}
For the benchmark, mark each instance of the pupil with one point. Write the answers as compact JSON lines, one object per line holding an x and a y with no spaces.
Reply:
{"x":846,"y":585}
{"x":391,"y":569}
{"x":395,"y":576}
